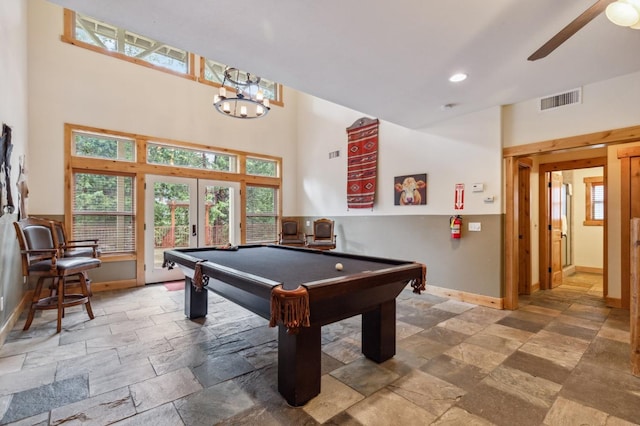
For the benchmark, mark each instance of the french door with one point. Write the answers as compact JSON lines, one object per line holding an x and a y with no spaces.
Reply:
{"x":184,"y":212}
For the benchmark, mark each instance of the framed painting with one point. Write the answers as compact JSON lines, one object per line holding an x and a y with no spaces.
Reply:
{"x":410,"y":190}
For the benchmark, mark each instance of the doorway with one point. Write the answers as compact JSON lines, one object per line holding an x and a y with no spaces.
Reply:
{"x":573,"y":223}
{"x":185,"y":212}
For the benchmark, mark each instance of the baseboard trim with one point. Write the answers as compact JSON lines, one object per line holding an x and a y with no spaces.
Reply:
{"x":535,"y":287}
{"x":463,"y":296}
{"x":15,"y":315}
{"x":613,"y":302}
{"x":589,"y":269}
{"x":113,"y":285}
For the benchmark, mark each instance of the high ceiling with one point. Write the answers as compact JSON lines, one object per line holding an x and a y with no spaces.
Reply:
{"x":390,"y":59}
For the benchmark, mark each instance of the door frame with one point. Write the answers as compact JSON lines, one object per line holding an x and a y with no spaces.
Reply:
{"x":544,"y":247}
{"x":196,"y":218}
{"x":510,"y":155}
{"x":524,"y":229}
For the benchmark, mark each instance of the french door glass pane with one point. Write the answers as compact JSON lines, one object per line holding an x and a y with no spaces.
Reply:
{"x":216,"y":206}
{"x":170,"y":218}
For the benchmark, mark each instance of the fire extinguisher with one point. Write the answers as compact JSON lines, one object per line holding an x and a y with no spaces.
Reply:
{"x":455,"y":223}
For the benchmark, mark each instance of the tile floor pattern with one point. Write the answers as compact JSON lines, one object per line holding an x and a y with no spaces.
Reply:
{"x":561,"y":359}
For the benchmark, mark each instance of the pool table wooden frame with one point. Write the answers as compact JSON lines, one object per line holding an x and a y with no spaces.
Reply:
{"x":371,"y":293}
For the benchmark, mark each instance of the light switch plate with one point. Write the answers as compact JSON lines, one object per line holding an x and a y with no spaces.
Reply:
{"x":475,"y":226}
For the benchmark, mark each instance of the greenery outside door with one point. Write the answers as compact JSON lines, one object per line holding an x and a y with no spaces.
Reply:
{"x":182,"y":213}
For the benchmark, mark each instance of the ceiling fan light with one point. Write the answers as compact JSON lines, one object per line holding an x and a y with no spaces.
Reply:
{"x":623,"y":14}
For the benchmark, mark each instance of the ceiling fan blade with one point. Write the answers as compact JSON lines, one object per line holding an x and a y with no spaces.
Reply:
{"x":587,"y":16}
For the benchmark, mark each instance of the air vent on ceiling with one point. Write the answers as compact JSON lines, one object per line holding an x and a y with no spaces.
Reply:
{"x":561,"y":99}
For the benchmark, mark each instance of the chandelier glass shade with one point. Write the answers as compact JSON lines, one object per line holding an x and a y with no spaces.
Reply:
{"x":625,"y":13}
{"x":248,"y":101}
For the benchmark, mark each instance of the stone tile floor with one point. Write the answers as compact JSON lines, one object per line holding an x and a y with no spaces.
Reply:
{"x":561,"y":359}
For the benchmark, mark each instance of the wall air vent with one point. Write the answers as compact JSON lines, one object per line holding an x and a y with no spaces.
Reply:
{"x":561,"y":99}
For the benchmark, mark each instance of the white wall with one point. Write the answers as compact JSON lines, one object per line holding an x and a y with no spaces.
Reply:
{"x":69,"y":84}
{"x":463,"y":150}
{"x":606,"y":105}
{"x":587,"y":240}
{"x":13,"y":112}
{"x":13,"y":79}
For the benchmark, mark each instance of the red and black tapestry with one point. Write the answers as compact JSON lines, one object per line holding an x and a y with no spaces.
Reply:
{"x":362,"y":165}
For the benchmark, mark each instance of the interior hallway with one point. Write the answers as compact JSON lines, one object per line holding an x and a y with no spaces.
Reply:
{"x":562,"y":358}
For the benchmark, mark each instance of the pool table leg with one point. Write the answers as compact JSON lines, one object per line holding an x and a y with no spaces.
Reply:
{"x":299,"y":364}
{"x":379,"y":332}
{"x":195,"y":302}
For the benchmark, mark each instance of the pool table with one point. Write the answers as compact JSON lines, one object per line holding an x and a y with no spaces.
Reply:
{"x":300,"y":290}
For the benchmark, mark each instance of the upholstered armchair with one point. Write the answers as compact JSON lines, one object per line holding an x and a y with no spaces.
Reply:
{"x":323,"y":237}
{"x":289,"y":233}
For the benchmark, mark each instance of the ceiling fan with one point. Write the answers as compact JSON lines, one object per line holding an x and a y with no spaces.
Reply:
{"x":574,"y":26}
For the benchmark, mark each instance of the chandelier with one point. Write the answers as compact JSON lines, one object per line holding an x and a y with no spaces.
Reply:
{"x":248,"y":101}
{"x":625,"y":13}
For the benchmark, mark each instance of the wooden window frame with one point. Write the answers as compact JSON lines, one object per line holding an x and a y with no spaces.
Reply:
{"x":68,"y":36}
{"x":590,"y":183}
{"x":201,"y":79}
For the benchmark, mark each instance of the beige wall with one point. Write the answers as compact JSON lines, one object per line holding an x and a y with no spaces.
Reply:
{"x":588,"y":240}
{"x":69,"y":84}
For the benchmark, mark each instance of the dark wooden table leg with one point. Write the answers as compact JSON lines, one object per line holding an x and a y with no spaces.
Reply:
{"x":299,"y":364}
{"x":379,"y":332}
{"x":195,"y":302}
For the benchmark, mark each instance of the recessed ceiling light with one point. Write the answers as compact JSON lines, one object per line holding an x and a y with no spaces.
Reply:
{"x":456,"y":78}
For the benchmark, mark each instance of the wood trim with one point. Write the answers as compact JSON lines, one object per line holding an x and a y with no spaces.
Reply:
{"x":632,"y":151}
{"x":543,"y":234}
{"x":139,"y":169}
{"x":589,"y":269}
{"x":543,"y":198}
{"x":635,"y":294}
{"x":201,"y":79}
{"x":13,"y":318}
{"x":140,"y":186}
{"x":167,"y":141}
{"x":589,"y":140}
{"x":625,"y":232}
{"x":525,"y":162}
{"x":511,"y":235}
{"x":613,"y":302}
{"x":116,"y":285}
{"x":126,"y":58}
{"x":535,"y":287}
{"x":463,"y":296}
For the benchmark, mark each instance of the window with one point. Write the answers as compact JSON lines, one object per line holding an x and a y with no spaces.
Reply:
{"x":184,"y":157}
{"x":213,"y":72}
{"x":594,"y":201}
{"x":104,"y":208}
{"x":262,"y":167}
{"x":262,"y":214}
{"x":100,"y":146}
{"x":103,"y":37}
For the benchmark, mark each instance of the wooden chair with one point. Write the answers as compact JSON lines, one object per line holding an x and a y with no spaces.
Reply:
{"x":323,"y":237}
{"x":40,"y":258}
{"x":73,"y":248}
{"x":289,"y":233}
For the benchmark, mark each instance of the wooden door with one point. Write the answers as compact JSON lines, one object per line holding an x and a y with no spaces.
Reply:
{"x":635,"y":187}
{"x":555,"y":202}
{"x":524,"y":229}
